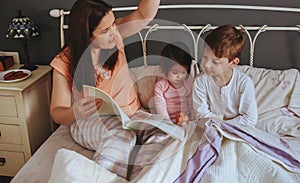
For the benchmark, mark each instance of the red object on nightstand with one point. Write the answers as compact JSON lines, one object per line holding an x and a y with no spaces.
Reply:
{"x":6,"y":62}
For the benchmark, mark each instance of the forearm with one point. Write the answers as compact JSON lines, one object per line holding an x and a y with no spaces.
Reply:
{"x":243,"y":120}
{"x":161,"y":107}
{"x":201,"y":107}
{"x":160,"y":100}
{"x":202,"y":113}
{"x":248,"y":114}
{"x":201,"y":102}
{"x":163,"y":112}
{"x":138,"y":19}
{"x":63,"y":115}
{"x":148,"y":8}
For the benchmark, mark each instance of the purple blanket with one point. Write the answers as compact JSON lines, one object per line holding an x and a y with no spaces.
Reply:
{"x":208,"y":151}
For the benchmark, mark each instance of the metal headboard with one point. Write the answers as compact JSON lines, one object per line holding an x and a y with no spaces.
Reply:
{"x":60,"y":13}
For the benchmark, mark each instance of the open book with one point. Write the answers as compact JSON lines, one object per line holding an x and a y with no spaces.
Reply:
{"x":110,"y":107}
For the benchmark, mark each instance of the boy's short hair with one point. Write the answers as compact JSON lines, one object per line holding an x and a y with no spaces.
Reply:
{"x":226,"y":41}
{"x":175,"y":52}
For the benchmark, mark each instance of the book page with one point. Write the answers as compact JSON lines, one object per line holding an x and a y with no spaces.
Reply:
{"x":156,"y":120}
{"x":173,"y":130}
{"x":108,"y":106}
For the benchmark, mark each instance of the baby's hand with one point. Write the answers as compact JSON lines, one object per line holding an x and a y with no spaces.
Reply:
{"x":181,"y":118}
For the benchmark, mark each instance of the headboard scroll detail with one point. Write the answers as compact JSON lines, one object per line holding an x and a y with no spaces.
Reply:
{"x":60,"y":13}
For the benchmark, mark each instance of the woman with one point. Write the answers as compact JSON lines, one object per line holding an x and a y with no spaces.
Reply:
{"x":94,"y":55}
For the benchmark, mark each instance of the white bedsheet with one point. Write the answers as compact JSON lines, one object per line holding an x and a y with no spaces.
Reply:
{"x":237,"y":162}
{"x":38,"y":168}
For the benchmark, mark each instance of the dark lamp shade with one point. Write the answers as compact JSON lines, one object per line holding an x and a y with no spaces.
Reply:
{"x":21,"y":27}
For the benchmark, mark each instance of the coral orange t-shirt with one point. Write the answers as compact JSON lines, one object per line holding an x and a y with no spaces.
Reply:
{"x":120,"y":86}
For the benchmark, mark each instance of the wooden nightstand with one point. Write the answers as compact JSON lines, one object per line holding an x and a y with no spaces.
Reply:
{"x":25,"y":121}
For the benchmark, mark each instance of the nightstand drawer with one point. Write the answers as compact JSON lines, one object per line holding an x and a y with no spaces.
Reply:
{"x":10,"y":134}
{"x":8,"y":107}
{"x":11,"y":162}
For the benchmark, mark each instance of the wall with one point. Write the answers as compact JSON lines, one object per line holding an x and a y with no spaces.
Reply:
{"x":274,"y":50}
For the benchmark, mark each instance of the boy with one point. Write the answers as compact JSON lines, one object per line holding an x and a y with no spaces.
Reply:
{"x":222,"y":91}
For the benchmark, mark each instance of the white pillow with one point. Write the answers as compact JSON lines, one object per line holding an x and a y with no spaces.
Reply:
{"x":70,"y":166}
{"x":145,"y":78}
{"x":274,"y":88}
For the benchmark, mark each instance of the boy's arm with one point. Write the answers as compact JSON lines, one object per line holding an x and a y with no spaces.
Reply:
{"x":138,"y":19}
{"x":160,"y":101}
{"x":248,"y":113}
{"x":201,"y":103}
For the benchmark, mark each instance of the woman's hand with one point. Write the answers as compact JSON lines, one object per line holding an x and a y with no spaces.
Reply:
{"x":138,"y":19}
{"x":85,"y":107}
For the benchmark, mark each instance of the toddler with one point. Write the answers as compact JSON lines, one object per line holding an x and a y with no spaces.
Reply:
{"x":173,"y":93}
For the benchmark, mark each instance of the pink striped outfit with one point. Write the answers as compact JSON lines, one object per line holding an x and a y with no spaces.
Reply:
{"x":169,"y":101}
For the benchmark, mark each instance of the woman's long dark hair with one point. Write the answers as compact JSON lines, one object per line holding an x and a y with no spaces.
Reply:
{"x":85,"y":16}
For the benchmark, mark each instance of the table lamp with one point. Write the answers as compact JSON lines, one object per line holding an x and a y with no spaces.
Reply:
{"x":22,"y":27}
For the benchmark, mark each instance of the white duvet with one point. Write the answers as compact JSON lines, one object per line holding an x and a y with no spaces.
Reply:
{"x":278,"y":99}
{"x":237,"y":162}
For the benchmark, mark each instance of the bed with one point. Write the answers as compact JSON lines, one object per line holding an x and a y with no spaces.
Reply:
{"x":60,"y":159}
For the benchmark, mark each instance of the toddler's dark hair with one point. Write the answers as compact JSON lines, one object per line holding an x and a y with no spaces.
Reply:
{"x":177,"y":53}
